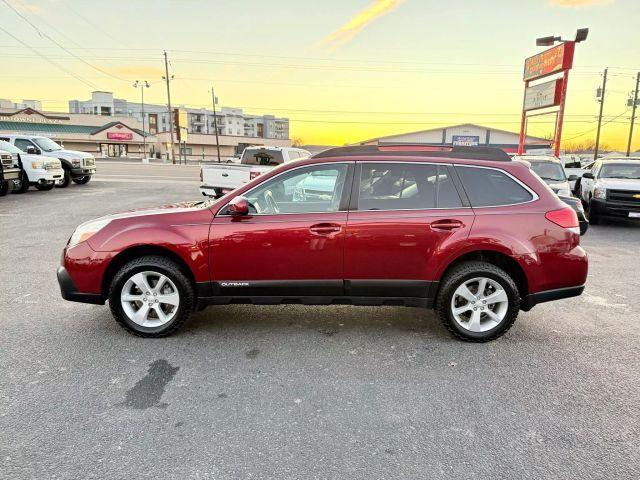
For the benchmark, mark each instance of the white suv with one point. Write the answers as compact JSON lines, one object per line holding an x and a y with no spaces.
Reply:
{"x":77,"y":166}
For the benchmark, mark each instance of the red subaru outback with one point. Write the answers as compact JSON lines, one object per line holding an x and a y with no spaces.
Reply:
{"x":464,"y":230}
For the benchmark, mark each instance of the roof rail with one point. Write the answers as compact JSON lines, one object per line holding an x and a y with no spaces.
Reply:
{"x":419,"y":150}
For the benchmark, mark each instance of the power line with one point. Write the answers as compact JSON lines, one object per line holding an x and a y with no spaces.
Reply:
{"x":48,"y":37}
{"x":44,"y":57}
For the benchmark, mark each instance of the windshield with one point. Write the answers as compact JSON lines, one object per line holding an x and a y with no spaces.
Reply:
{"x":47,"y":144}
{"x":549,"y":171}
{"x":621,"y":170}
{"x":7,"y":147}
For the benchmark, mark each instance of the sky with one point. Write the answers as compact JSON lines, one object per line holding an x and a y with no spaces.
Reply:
{"x":342,"y":70}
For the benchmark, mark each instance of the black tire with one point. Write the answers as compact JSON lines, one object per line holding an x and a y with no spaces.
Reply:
{"x":462,"y":273}
{"x":4,"y":188}
{"x":24,"y":183}
{"x":45,"y":187}
{"x":66,"y":179}
{"x":594,"y":218}
{"x":82,"y":180}
{"x":174,"y":273}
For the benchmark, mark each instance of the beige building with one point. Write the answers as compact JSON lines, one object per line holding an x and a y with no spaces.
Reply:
{"x":121,"y":136}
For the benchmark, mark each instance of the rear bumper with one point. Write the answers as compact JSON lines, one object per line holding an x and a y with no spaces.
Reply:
{"x":70,"y":292}
{"x":533,"y":299}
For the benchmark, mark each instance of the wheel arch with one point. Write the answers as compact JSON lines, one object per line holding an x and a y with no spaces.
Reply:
{"x":499,"y":259}
{"x":138,"y":251}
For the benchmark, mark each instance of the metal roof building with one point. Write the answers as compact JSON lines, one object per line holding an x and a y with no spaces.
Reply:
{"x":467,"y":134}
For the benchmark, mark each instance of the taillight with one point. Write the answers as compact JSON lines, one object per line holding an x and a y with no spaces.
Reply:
{"x":565,"y":217}
{"x":253,"y":175}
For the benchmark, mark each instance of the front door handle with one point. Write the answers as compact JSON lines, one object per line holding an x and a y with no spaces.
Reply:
{"x":446,"y":225}
{"x":325,"y":228}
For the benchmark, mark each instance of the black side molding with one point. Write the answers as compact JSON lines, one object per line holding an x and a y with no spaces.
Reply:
{"x":533,"y":299}
{"x":71,"y":293}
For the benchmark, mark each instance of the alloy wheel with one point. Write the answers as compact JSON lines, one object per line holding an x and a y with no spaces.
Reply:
{"x":150,"y":299}
{"x":479,"y":304}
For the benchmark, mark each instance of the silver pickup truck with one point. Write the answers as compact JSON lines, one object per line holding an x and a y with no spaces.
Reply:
{"x":218,"y":179}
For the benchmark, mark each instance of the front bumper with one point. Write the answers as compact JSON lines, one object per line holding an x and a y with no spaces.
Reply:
{"x":71,"y":293}
{"x":46,"y":176}
{"x":83,"y":171}
{"x":609,"y":208}
{"x":531,"y":300}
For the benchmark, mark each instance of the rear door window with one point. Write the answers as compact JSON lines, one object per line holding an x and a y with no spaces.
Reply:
{"x":488,"y":187}
{"x":401,"y":186}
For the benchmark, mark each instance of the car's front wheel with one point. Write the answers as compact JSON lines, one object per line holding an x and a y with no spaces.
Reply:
{"x":151,"y":297}
{"x":478,"y":301}
{"x":66,"y":179}
{"x":82,"y":180}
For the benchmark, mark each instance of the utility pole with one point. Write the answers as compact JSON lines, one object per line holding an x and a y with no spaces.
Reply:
{"x":215,"y":121}
{"x":168,"y":79}
{"x":633,"y":113}
{"x":602,"y":92}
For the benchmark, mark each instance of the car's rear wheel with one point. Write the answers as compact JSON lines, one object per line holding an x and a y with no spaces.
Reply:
{"x":478,"y":301}
{"x":151,"y":297}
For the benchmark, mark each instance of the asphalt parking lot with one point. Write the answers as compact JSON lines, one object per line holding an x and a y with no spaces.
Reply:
{"x":304,"y":392}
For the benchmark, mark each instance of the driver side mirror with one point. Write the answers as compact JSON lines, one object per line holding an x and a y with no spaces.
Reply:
{"x":238,"y":207}
{"x":31,"y":150}
{"x":587,"y":175}
{"x":573,"y":178}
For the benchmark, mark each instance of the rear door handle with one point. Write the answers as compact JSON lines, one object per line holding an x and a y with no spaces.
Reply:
{"x":325,"y":228}
{"x":446,"y":225}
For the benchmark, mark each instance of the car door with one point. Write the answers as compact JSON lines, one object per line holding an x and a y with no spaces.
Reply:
{"x":402,"y":215}
{"x":292,"y":241}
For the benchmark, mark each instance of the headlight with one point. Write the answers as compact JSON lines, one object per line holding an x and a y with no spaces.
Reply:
{"x":75,"y":162}
{"x":600,"y":192}
{"x":564,"y":192}
{"x":87,"y":230}
{"x":37,"y":165}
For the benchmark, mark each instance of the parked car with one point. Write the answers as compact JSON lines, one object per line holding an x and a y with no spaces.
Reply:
{"x":468,"y":232}
{"x":41,"y":172}
{"x":576,"y":204}
{"x":573,"y":169}
{"x":612,"y":189}
{"x":550,"y":169}
{"x":9,"y":175}
{"x":219,"y":179}
{"x":77,"y":166}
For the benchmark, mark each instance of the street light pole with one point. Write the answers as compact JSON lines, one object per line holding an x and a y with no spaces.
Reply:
{"x":168,"y":79}
{"x":142,"y":86}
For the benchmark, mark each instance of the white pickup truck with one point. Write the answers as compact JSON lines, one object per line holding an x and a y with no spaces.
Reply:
{"x":40,"y":172}
{"x":218,"y":179}
{"x":612,"y":189}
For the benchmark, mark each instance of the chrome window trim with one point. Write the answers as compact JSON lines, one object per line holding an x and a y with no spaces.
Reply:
{"x":347,"y":163}
{"x":462,"y":207}
{"x":534,"y":195}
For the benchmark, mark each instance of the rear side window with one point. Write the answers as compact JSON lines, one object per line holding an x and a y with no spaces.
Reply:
{"x":399,"y":186}
{"x":487,"y":187}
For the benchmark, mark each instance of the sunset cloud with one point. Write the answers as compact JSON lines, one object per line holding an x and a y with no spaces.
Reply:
{"x":579,"y":3}
{"x":353,"y":27}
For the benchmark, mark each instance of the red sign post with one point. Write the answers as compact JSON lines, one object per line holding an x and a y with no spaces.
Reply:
{"x":552,"y":61}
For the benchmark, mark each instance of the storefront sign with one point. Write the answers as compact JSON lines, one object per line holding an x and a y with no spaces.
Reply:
{"x":546,"y":94}
{"x":120,"y":136}
{"x":465,"y":140}
{"x":548,"y":62}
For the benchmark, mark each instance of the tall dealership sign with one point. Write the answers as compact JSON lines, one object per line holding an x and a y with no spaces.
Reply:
{"x":547,"y":95}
